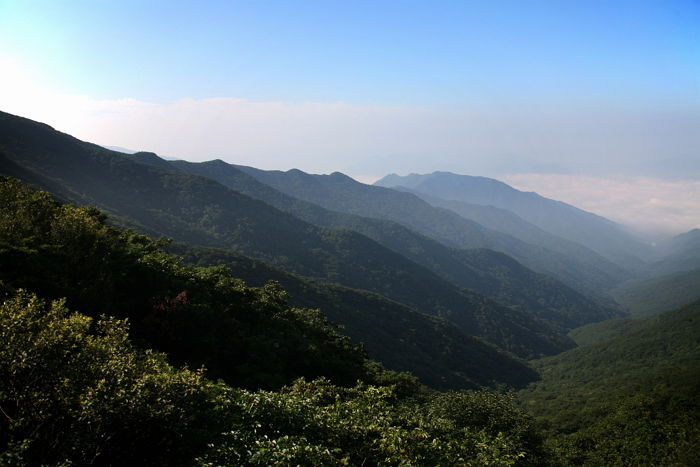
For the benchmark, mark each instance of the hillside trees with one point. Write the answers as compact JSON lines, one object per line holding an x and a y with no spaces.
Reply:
{"x":628,"y":397}
{"x":74,"y":390}
{"x":200,"y":316}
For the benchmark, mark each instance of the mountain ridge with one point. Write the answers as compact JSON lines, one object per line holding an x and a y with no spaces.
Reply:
{"x":480,"y":270}
{"x":198,"y":210}
{"x":591,"y":230}
{"x":342,"y":193}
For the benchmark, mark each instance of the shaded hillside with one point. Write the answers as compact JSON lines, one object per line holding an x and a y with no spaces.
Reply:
{"x":77,"y":392}
{"x":438,"y":352}
{"x":601,"y":271}
{"x":86,"y":387}
{"x":200,"y":211}
{"x":679,"y":253}
{"x":643,"y":297}
{"x":561,"y":219}
{"x":584,"y":377}
{"x":626,"y":400}
{"x":596,"y":333}
{"x":200,"y":316}
{"x":341,"y":193}
{"x":490,"y":273}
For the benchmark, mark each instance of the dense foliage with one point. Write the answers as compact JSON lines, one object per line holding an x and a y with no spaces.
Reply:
{"x":79,"y":387}
{"x":201,"y":211}
{"x":193,"y":312}
{"x":628,"y":399}
{"x":202,"y":316}
{"x":433,"y":349}
{"x":650,"y":296}
{"x":76,"y":392}
{"x":493,"y":274}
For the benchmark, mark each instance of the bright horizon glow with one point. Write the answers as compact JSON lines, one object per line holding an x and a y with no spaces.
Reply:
{"x":553,"y":97}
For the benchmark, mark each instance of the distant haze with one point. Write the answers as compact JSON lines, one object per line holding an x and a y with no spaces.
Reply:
{"x":594,"y":103}
{"x":605,"y":162}
{"x":651,"y":206}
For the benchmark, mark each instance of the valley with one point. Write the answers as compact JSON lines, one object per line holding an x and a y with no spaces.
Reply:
{"x":427,"y":317}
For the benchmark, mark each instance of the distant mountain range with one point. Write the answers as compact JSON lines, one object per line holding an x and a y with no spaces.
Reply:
{"x":490,"y":273}
{"x":341,"y":193}
{"x":201,"y":211}
{"x":679,"y":253}
{"x":597,"y":233}
{"x":433,"y":286}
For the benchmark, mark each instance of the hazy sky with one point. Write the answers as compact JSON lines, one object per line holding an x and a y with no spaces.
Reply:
{"x":551,"y":96}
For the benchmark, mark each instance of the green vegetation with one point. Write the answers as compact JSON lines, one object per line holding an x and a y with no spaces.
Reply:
{"x":199,"y":316}
{"x":318,"y":424}
{"x":645,"y":297}
{"x":119,"y":349}
{"x":599,"y":332}
{"x":627,"y":400}
{"x":493,"y":274}
{"x":60,"y":251}
{"x":341,"y":193}
{"x":201,"y":211}
{"x":433,"y":349}
{"x":75,"y":390}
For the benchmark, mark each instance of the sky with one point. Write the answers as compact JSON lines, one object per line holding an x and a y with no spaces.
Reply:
{"x":596,"y":103}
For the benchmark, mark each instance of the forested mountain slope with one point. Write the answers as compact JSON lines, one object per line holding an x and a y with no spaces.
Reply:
{"x":78,"y":392}
{"x":85,"y":388}
{"x":595,"y":232}
{"x":201,"y":211}
{"x":341,"y":193}
{"x":246,"y":336}
{"x":669,"y":340}
{"x":649,"y":296}
{"x":629,"y":399}
{"x":438,"y":352}
{"x":679,"y":253}
{"x":61,"y":251}
{"x":490,"y":273}
{"x":510,"y":223}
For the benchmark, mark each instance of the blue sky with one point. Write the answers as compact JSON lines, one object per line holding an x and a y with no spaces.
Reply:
{"x":532,"y":92}
{"x":404,"y":52}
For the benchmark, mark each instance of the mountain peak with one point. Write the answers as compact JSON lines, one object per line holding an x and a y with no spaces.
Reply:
{"x":150,"y":158}
{"x":341,"y":176}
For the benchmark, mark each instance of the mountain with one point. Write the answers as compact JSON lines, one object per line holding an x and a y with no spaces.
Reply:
{"x":648,"y":296}
{"x":666,"y":341}
{"x":120,"y":149}
{"x":339,"y":192}
{"x":600,"y":271}
{"x":679,"y":253}
{"x":630,"y":399}
{"x":59,"y":251}
{"x":438,"y":352}
{"x":201,"y":211}
{"x":597,"y":233}
{"x":493,"y":274}
{"x":199,"y":316}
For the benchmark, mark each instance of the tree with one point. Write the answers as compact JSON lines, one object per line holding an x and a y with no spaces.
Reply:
{"x":76,"y":391}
